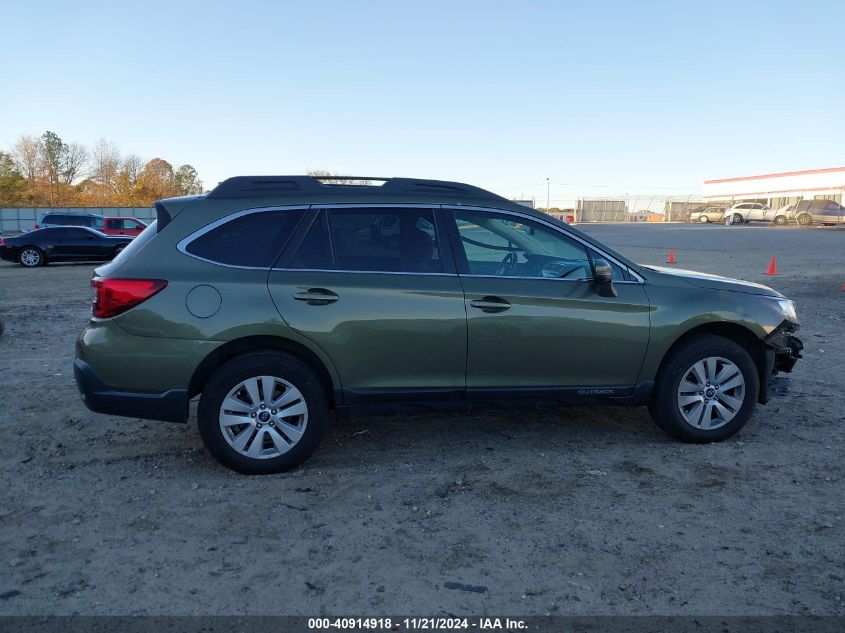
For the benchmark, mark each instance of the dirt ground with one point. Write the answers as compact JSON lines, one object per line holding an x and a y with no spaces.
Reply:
{"x":578,"y":511}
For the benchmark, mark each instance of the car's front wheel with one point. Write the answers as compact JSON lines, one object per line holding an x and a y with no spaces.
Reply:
{"x":780,"y":220}
{"x":704,"y":219}
{"x":805,"y":219}
{"x":707,"y":390}
{"x":31,"y":257}
{"x":263,"y":413}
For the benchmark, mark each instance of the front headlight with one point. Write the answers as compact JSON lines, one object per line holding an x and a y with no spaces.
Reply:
{"x":787,"y":309}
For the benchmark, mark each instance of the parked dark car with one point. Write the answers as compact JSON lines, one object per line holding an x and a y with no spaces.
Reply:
{"x":72,"y":243}
{"x":819,"y":211}
{"x":70,"y":218}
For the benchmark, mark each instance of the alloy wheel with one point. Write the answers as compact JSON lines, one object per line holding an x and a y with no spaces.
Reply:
{"x":704,"y":219}
{"x":30,"y":257}
{"x":263,"y":417}
{"x":711,"y":393}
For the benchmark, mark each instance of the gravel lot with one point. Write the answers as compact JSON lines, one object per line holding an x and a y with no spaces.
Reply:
{"x":577,"y":511}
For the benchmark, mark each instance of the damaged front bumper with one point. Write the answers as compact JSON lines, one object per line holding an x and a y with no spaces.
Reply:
{"x":782,"y":350}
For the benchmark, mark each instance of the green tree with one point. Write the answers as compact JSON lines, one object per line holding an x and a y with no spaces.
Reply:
{"x":187,"y":181}
{"x":12,"y":183}
{"x":52,"y":162}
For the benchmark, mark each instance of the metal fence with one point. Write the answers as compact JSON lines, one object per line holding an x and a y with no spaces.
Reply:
{"x":21,"y":219}
{"x":636,"y":208}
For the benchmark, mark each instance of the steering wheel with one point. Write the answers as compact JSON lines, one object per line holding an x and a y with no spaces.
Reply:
{"x":507,"y":264}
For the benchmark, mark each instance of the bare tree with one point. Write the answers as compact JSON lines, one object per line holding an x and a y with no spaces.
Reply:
{"x":75,"y":161}
{"x":25,"y":153}
{"x":131,"y":167}
{"x":105,"y":163}
{"x":331,"y":179}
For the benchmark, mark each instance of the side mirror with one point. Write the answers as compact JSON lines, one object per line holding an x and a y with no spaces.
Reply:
{"x":603,"y":278}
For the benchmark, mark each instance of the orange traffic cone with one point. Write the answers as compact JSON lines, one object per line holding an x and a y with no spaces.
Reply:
{"x":773,"y":268}
{"x":671,"y":259}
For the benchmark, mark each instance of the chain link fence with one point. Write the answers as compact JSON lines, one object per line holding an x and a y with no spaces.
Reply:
{"x":637,"y":208}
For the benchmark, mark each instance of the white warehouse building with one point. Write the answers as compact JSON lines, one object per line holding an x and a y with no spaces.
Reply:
{"x":779,"y":190}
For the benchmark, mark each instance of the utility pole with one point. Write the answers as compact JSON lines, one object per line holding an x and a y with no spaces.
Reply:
{"x":547,"y":196}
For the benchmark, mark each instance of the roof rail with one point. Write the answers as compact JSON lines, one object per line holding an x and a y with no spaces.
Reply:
{"x":280,"y":186}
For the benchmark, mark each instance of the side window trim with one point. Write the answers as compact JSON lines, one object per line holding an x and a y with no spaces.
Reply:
{"x":182,"y":245}
{"x":443,"y":243}
{"x":463,"y":265}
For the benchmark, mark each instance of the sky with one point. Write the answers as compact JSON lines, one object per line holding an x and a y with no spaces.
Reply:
{"x":601,"y":98}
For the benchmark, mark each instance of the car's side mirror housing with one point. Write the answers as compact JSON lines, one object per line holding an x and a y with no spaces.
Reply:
{"x":603,"y":278}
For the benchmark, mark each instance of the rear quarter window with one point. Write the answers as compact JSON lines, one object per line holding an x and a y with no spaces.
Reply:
{"x":138,"y":243}
{"x":254,"y":240}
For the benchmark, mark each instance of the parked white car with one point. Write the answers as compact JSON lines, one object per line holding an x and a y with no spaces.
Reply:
{"x":749,"y":212}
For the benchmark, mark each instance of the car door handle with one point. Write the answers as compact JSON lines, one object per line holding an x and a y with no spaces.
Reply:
{"x":490,"y":304}
{"x":316,"y":296}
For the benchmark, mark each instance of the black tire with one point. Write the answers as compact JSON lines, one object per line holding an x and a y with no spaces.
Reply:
{"x":779,"y":220}
{"x":40,"y":261}
{"x":664,"y":407}
{"x":805,"y":219}
{"x":276,"y":364}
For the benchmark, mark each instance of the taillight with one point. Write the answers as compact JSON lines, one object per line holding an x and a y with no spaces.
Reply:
{"x":116,"y":296}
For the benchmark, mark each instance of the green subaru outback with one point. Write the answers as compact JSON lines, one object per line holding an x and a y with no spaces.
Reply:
{"x":279,"y":299}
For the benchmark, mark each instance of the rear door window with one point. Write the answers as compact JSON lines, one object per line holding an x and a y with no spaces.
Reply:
{"x":252,"y":240}
{"x":371,"y":240}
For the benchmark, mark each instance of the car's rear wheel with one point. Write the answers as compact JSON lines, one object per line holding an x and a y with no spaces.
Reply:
{"x":704,"y":219}
{"x":263,"y":413}
{"x":805,"y":219}
{"x":31,"y":257}
{"x":780,"y":220}
{"x":707,"y":390}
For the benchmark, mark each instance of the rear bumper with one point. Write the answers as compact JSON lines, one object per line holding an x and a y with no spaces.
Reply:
{"x":170,"y":406}
{"x":782,"y":350}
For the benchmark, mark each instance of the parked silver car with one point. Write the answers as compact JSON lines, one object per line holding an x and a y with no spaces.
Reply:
{"x":707,"y":213}
{"x":809,"y":212}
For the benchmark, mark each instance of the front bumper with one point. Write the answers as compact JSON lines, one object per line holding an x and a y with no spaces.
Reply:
{"x":170,"y":406}
{"x":782,"y":350}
